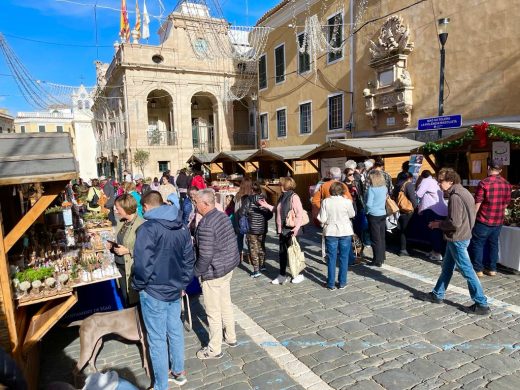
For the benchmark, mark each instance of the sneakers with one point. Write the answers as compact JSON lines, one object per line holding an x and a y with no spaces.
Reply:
{"x":435,"y":257}
{"x":488,"y":272}
{"x":178,"y":379}
{"x":255,"y":274}
{"x":207,"y":353}
{"x":368,"y":253}
{"x":280,"y":279}
{"x":404,"y":252}
{"x":342,"y":287}
{"x":477,"y":309}
{"x":262,"y":268}
{"x":480,"y":274}
{"x":430,"y":297}
{"x":331,"y":288}
{"x":229,"y":343}
{"x":298,"y":279}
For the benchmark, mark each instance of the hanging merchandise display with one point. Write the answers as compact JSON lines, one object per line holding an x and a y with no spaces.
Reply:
{"x":213,"y":39}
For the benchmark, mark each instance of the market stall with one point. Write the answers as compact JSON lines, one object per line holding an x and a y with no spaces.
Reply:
{"x":202,"y":161}
{"x":233,"y":167}
{"x":43,"y":259}
{"x":273,"y":163}
{"x":395,"y":151}
{"x":468,"y":152}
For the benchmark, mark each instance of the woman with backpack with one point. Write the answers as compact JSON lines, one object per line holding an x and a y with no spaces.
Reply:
{"x":243,"y":192}
{"x":288,"y":205}
{"x":257,"y":220}
{"x":406,"y":200}
{"x":93,"y":197}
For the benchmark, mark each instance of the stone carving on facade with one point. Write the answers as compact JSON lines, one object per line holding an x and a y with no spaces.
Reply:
{"x":391,"y":92}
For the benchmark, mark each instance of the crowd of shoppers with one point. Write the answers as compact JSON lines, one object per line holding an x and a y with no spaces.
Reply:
{"x":173,"y":229}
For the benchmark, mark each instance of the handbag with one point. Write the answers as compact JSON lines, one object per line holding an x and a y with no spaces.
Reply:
{"x":404,"y":204}
{"x":296,"y":257}
{"x":290,"y":220}
{"x":391,"y":206}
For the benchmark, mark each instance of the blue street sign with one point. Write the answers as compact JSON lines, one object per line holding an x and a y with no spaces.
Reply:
{"x":440,"y":122}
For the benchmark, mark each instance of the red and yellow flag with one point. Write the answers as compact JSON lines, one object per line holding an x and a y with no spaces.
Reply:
{"x":124,"y":25}
{"x":137,"y":20}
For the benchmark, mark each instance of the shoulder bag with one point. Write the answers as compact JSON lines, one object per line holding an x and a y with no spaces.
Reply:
{"x":404,"y":204}
{"x":290,"y":220}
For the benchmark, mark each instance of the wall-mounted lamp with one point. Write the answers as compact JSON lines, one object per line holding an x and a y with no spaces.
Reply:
{"x":153,"y":103}
{"x":195,"y":105}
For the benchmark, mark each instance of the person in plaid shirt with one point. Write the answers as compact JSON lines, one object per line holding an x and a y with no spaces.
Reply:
{"x":491,"y":199}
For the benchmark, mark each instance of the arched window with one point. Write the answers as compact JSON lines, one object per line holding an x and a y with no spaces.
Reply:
{"x":80,"y":104}
{"x":87,"y":105}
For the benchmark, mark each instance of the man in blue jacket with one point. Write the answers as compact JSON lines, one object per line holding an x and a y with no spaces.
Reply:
{"x":217,"y":257}
{"x":163,"y":268}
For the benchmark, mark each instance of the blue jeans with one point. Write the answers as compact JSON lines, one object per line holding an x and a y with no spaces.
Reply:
{"x":482,"y":235}
{"x":457,"y":254}
{"x":345,"y":246}
{"x":164,"y":328}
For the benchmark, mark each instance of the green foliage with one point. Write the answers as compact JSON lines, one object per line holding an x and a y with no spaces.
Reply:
{"x":492,"y":132}
{"x":141,"y":158}
{"x":32,"y":274}
{"x":53,"y":210}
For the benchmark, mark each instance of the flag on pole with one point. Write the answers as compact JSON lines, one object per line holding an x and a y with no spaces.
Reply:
{"x":137,"y":19}
{"x":124,"y":25}
{"x":146,"y":22}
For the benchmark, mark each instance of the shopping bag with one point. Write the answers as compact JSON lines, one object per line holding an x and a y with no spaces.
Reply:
{"x":392,"y":221}
{"x":186,"y":312}
{"x":296,"y":258}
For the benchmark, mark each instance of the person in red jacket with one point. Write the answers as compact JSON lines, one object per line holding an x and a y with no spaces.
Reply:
{"x":198,"y":180}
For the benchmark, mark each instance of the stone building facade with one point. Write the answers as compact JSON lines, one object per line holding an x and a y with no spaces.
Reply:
{"x":6,"y":122}
{"x":165,"y":100}
{"x":386,"y":75}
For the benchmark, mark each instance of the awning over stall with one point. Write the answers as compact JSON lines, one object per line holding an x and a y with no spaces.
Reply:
{"x":282,"y":153}
{"x":36,"y":157}
{"x":202,"y":158}
{"x":364,"y":147}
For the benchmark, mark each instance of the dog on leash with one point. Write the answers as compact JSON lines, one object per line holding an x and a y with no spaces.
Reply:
{"x":124,"y":323}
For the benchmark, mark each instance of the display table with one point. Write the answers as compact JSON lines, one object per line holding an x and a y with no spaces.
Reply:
{"x":509,"y":247}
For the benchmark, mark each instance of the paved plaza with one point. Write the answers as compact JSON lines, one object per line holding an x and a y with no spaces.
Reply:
{"x":373,"y":335}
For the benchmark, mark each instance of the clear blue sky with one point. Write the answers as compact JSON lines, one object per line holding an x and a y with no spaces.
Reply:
{"x":68,"y":22}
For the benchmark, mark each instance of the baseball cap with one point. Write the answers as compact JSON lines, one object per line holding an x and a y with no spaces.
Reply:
{"x":102,"y":177}
{"x":138,"y":176}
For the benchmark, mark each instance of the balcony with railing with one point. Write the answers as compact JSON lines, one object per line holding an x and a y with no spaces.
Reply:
{"x":203,"y":138}
{"x":244,"y":140}
{"x":156,"y":137}
{"x":110,"y":146}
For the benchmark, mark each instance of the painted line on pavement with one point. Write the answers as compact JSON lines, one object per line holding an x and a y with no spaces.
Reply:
{"x":494,"y":302}
{"x":298,"y":371}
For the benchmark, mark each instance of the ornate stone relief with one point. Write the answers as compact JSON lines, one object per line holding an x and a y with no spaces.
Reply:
{"x":391,"y":91}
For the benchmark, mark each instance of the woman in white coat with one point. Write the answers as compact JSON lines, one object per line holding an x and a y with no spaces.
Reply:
{"x":335,"y":214}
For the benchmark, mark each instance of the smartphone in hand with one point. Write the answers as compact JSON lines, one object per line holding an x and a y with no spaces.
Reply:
{"x":114,"y":244}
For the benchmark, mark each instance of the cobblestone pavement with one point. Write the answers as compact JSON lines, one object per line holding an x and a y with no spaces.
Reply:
{"x":372,"y":335}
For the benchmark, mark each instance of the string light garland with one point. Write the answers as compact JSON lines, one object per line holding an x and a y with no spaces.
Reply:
{"x":491,"y":131}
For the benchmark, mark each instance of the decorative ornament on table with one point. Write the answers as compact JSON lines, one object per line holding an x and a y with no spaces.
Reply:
{"x":481,"y":132}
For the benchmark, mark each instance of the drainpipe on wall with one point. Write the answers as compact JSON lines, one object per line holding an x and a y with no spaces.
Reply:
{"x":351,"y":64}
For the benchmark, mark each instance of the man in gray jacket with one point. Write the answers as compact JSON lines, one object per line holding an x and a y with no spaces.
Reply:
{"x":217,"y":257}
{"x":457,"y":232}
